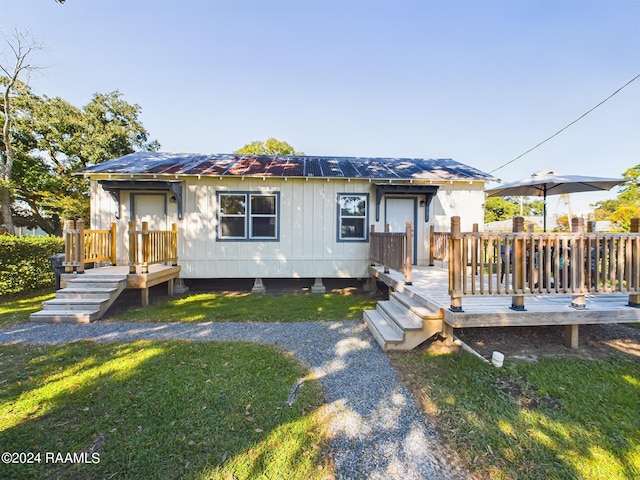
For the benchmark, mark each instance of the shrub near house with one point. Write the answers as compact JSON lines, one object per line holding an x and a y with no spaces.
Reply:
{"x":25,"y":264}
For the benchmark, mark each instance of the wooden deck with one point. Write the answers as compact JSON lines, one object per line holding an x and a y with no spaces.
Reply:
{"x":430,"y":288}
{"x":158,"y":273}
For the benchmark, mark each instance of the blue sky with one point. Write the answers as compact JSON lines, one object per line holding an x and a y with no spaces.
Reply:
{"x":477,"y":81}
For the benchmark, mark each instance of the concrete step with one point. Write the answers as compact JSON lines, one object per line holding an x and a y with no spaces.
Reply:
{"x":52,"y":316}
{"x":384,"y":330}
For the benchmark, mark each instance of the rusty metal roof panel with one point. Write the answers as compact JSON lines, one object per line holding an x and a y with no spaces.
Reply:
{"x":157,"y":163}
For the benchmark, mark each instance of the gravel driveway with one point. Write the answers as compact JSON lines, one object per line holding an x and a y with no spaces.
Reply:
{"x":378,"y":431}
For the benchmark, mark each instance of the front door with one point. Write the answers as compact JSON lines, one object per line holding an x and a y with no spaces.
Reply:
{"x":399,"y":211}
{"x":152,"y":208}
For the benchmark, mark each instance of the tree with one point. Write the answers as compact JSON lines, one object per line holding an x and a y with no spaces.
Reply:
{"x":505,"y":208}
{"x":626,"y":206}
{"x":13,"y":66}
{"x":53,"y":138}
{"x":272,"y":146}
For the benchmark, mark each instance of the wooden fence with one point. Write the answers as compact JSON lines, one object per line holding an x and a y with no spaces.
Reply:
{"x":85,"y":247}
{"x":392,"y":250}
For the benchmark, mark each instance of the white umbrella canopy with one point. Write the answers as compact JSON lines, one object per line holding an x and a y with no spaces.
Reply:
{"x":541,"y":184}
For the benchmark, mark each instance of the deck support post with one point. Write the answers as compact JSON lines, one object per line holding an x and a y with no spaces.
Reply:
{"x":571,"y":336}
{"x":577,"y":273}
{"x":170,"y":287}
{"x":517,"y":301}
{"x":144,"y":295}
{"x":447,"y":333}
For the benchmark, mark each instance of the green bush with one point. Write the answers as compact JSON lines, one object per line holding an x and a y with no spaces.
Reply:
{"x":25,"y":264}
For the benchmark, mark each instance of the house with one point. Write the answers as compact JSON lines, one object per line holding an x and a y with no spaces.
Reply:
{"x":259,"y":217}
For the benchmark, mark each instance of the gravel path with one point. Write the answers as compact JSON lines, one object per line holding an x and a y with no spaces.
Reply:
{"x":378,"y":431}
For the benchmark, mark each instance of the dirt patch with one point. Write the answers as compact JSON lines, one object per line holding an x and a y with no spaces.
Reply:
{"x":533,"y":343}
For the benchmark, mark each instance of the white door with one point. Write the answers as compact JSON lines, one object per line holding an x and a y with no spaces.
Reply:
{"x":150,"y":208}
{"x":399,"y":211}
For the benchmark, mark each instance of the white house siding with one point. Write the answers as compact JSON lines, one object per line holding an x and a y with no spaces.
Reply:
{"x":308,"y":223}
{"x":463,"y":199}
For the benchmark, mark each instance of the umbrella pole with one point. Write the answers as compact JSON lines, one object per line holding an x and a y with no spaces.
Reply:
{"x":544,"y":210}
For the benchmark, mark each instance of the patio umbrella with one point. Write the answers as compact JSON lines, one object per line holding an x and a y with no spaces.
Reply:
{"x":541,"y":184}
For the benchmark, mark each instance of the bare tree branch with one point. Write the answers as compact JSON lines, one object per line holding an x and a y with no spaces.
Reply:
{"x":14,"y":63}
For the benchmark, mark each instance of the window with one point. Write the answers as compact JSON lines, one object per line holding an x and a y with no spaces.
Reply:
{"x":352,"y":217}
{"x":248,"y":216}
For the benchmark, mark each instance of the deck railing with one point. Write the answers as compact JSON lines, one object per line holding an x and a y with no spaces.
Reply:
{"x":521,"y":264}
{"x":148,"y":247}
{"x":438,"y":246}
{"x":392,"y":250}
{"x":84,"y":247}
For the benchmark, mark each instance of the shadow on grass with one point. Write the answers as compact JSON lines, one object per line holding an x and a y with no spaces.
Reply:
{"x":559,"y":418}
{"x":158,"y":410}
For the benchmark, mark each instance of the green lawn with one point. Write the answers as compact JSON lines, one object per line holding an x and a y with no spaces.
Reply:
{"x":560,"y":418}
{"x":241,"y":307}
{"x":161,"y":410}
{"x":16,"y":309}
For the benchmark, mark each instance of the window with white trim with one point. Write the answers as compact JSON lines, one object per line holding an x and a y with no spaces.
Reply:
{"x":352,"y":217}
{"x":248,"y":216}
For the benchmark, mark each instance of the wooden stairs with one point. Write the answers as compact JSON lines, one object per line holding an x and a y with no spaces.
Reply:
{"x":403,"y":323}
{"x":86,"y":298}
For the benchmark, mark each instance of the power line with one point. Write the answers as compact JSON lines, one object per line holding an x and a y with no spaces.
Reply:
{"x":567,"y":126}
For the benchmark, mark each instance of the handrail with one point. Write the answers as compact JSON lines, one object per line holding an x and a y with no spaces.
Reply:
{"x":392,"y":250}
{"x":148,"y":247}
{"x":87,"y":246}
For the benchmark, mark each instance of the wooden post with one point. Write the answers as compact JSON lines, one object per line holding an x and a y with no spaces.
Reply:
{"x":519,"y":261}
{"x":174,"y":244}
{"x":146,"y":247}
{"x":385,"y":251}
{"x":68,"y":245}
{"x":372,"y":244}
{"x":114,"y":244}
{"x":455,"y":267}
{"x":519,"y":269}
{"x":372,"y":253}
{"x":432,"y":247}
{"x":133,"y":247}
{"x":408,"y":258}
{"x":578,"y":264}
{"x":571,"y":336}
{"x":634,"y":300}
{"x":80,"y":229}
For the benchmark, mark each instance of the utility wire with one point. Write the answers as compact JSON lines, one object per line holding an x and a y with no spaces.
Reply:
{"x":564,"y":128}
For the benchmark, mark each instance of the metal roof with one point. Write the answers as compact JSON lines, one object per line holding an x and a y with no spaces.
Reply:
{"x":159,"y":163}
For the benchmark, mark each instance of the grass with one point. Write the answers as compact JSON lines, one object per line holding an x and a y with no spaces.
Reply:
{"x":557,"y":419}
{"x":240,"y":307}
{"x":16,"y":308}
{"x":160,"y":410}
